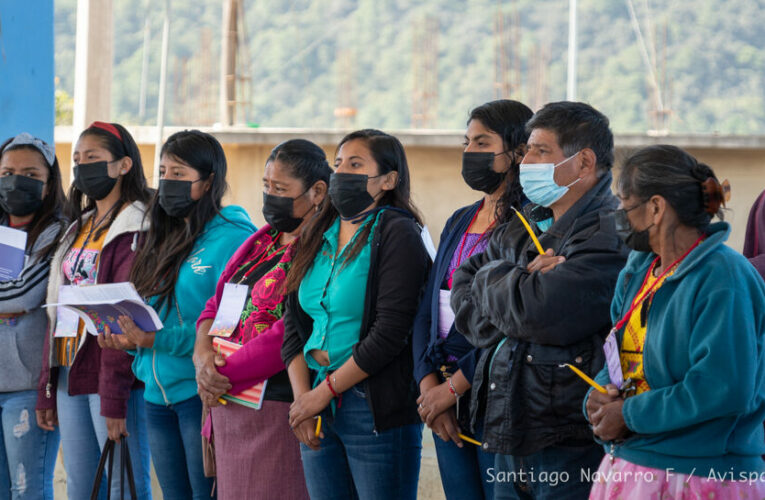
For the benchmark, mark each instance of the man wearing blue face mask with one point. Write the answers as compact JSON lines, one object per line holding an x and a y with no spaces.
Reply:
{"x":531,"y":313}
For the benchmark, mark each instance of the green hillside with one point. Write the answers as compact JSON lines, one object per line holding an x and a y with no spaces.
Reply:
{"x":709,"y":57}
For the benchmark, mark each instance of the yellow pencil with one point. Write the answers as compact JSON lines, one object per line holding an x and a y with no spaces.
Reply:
{"x":587,"y":379}
{"x":469,"y":439}
{"x":531,"y":232}
{"x":221,"y":400}
{"x":318,"y":425}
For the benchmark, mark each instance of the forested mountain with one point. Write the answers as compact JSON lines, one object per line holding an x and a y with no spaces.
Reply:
{"x":308,"y":57}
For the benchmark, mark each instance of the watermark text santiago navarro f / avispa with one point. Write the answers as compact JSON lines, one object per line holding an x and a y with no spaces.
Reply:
{"x":553,"y":478}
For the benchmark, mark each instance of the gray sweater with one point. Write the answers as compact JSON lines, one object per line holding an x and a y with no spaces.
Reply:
{"x":22,"y":336}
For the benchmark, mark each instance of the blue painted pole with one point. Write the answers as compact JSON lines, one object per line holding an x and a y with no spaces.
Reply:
{"x":27,"y":101}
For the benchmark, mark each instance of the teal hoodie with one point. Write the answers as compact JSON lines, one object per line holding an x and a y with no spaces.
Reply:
{"x":704,"y":359}
{"x":166,"y":368}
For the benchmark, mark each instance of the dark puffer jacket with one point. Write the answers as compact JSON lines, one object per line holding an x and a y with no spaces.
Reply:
{"x":530,"y":323}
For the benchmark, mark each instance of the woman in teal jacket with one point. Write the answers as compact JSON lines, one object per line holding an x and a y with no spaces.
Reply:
{"x":190,"y":239}
{"x":683,"y":413}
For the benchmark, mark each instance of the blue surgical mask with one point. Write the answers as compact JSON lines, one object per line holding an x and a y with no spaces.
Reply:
{"x":538,"y":182}
{"x":544,"y":225}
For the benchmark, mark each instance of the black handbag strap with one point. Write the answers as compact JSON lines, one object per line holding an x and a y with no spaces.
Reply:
{"x":107,"y":451}
{"x":126,"y":466}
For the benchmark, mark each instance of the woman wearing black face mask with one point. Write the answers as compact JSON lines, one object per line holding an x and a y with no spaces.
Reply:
{"x":295,"y":185}
{"x":686,"y":393}
{"x":444,"y":361}
{"x":356,"y":276}
{"x":31,"y":200}
{"x":92,"y":392}
{"x":190,"y":238}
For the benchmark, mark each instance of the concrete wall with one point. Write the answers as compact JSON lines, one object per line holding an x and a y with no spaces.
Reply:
{"x":435,"y":161}
{"x":26,"y":69}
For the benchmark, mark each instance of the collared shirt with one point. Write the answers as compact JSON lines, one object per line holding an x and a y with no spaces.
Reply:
{"x":333,"y":293}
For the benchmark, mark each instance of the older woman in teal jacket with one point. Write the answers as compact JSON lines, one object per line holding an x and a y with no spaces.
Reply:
{"x":683,"y":412}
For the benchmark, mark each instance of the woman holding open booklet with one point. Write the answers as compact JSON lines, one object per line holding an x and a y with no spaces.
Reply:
{"x":190,"y":238}
{"x":31,"y":202}
{"x":91,"y":392}
{"x":255,"y":454}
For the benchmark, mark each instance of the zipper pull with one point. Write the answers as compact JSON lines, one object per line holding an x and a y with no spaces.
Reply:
{"x":48,"y":387}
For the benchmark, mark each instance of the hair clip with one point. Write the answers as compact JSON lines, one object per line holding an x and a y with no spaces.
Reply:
{"x":714,"y":194}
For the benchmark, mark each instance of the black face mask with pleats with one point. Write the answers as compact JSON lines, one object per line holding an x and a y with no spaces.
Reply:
{"x":478,"y":173}
{"x":348,"y":193}
{"x":93,"y":179}
{"x":279,"y":212}
{"x":636,"y":240}
{"x":20,"y":195}
{"x":175,"y":197}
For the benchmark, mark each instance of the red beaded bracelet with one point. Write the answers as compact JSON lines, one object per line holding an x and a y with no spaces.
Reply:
{"x":452,"y":389}
{"x":334,"y":394}
{"x":331,"y":389}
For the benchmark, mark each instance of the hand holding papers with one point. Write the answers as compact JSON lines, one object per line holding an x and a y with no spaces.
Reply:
{"x":101,"y":305}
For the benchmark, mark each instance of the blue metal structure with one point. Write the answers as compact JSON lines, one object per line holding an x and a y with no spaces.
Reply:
{"x":27,"y":102}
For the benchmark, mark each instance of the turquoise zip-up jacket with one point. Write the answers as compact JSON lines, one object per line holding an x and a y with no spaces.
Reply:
{"x":704,"y":359}
{"x":166,"y":368}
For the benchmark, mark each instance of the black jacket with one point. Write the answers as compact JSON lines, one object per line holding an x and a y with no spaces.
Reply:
{"x":530,"y":323}
{"x":398,"y":269}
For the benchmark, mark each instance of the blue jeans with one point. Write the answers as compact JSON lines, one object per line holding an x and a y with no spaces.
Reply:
{"x":83,"y":435}
{"x":176,"y":449}
{"x":552,"y":473}
{"x":27,"y":453}
{"x":356,"y":462}
{"x":464,"y":471}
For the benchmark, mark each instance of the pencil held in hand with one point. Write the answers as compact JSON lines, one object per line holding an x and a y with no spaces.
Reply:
{"x":469,"y":439}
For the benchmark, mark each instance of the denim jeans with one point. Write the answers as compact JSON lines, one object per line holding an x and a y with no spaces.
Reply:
{"x":27,"y":453}
{"x":552,"y":473}
{"x":464,"y":471}
{"x":176,"y":449}
{"x":83,"y":435}
{"x":355,"y":461}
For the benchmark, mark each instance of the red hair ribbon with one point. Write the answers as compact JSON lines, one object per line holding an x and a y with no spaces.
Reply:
{"x":108,"y":127}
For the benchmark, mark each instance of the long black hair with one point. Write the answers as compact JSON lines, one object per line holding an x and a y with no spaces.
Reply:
{"x":170,"y":240}
{"x":52,"y":205}
{"x":133,"y":187}
{"x":388,"y":153}
{"x":508,"y":119}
